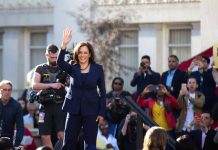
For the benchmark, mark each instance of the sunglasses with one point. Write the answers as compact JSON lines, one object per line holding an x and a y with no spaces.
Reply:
{"x":118,"y":83}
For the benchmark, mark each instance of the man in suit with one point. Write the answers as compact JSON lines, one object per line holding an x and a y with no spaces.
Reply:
{"x":203,"y":137}
{"x":173,"y":78}
{"x":144,"y":76}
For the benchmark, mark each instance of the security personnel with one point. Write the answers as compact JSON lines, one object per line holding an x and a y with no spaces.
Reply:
{"x":49,"y":80}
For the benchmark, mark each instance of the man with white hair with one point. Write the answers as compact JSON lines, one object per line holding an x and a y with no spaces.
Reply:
{"x":10,"y":114}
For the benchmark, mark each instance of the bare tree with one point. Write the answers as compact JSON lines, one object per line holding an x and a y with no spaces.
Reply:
{"x":105,"y":35}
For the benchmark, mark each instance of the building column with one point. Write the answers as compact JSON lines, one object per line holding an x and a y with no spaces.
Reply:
{"x":195,"y":39}
{"x":148,"y":43}
{"x":13,"y":58}
{"x":209,"y":22}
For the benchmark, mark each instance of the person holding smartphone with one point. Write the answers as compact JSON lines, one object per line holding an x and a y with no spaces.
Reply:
{"x":206,"y":81}
{"x":144,"y":76}
{"x":191,"y":102}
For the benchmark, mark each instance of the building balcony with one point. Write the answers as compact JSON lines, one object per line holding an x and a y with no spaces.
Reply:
{"x":139,"y":2}
{"x":25,"y":4}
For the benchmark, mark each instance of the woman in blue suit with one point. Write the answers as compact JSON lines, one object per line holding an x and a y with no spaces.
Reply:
{"x":84,"y":104}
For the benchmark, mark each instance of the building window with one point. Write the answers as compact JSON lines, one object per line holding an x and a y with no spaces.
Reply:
{"x":180,"y":43}
{"x":38,"y":43}
{"x":1,"y":56}
{"x":128,"y":50}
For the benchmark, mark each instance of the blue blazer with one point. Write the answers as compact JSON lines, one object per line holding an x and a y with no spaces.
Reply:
{"x":82,"y":97}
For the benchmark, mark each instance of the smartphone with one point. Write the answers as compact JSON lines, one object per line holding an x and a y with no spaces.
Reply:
{"x":184,"y":86}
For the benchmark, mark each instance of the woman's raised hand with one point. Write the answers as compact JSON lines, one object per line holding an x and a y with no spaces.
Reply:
{"x":67,"y":35}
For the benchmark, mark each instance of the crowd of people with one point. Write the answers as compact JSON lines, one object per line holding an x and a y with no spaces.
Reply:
{"x":69,"y":105}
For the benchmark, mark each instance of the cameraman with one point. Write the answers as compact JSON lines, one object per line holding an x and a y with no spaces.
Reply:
{"x":144,"y":76}
{"x":46,"y":78}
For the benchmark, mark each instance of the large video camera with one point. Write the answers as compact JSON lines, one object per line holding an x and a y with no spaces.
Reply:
{"x":50,"y":95}
{"x":47,"y":96}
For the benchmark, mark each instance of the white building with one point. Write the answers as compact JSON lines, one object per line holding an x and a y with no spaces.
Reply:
{"x":158,"y":28}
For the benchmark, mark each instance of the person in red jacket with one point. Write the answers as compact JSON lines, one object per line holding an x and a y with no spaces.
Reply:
{"x":160,"y":106}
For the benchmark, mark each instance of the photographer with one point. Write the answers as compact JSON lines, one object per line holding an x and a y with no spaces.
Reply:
{"x":144,"y":76}
{"x":191,"y":102}
{"x":160,"y":107}
{"x":117,"y":109}
{"x":117,"y":90}
{"x":127,"y":136}
{"x":205,"y":80}
{"x":50,"y":80}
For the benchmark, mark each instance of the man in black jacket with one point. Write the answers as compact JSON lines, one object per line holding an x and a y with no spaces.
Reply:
{"x":144,"y":76}
{"x":10,"y":114}
{"x":173,"y":78}
{"x":203,"y":137}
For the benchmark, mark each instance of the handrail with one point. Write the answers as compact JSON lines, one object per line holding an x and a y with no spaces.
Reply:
{"x":147,"y":119}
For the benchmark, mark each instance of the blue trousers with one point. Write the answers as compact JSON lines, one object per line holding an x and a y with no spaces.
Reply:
{"x":72,"y":129}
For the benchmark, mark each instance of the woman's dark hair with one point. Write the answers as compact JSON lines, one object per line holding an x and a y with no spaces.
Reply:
{"x":77,"y":49}
{"x":117,"y":78}
{"x":207,"y":59}
{"x":193,"y":77}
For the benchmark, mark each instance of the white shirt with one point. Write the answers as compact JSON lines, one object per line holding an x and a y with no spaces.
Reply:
{"x":190,"y":112}
{"x":145,"y":74}
{"x":28,"y":121}
{"x":102,"y":140}
{"x":203,"y":137}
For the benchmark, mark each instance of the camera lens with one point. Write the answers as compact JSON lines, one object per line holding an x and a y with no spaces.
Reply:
{"x":117,"y":99}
